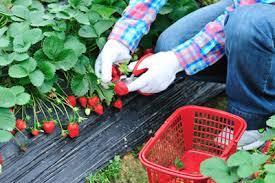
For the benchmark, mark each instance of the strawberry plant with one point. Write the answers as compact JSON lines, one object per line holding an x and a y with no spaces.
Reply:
{"x":256,"y":167}
{"x":47,"y":52}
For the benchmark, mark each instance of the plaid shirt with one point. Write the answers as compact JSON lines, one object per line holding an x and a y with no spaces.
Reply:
{"x":201,"y":51}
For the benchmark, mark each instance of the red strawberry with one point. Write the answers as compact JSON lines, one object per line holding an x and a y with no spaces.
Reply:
{"x":115,"y":71}
{"x":35,"y":132}
{"x":71,"y":100}
{"x":73,"y":130}
{"x":21,"y":124}
{"x":82,"y":101}
{"x":118,"y":104}
{"x":115,"y":79}
{"x":49,"y":126}
{"x":99,"y":109}
{"x":121,"y":88}
{"x":93,"y":101}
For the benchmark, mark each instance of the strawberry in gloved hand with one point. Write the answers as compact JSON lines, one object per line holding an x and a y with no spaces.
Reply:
{"x":161,"y":70}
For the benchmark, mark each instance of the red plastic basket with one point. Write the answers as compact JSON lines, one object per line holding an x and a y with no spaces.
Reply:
{"x":192,"y":134}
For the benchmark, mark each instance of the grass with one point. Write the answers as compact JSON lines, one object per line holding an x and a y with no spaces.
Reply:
{"x":126,"y":170}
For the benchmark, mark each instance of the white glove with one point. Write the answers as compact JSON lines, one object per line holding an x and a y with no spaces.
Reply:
{"x":162,"y":70}
{"x":113,"y":52}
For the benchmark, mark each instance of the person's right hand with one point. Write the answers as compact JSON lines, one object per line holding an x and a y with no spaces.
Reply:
{"x":113,"y":52}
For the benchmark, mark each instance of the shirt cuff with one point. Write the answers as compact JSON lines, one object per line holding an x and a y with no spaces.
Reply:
{"x":125,"y":35}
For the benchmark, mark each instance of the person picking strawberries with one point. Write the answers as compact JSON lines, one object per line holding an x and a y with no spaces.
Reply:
{"x":232,"y":41}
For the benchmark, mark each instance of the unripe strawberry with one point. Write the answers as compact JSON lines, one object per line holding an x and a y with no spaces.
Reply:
{"x":87,"y":111}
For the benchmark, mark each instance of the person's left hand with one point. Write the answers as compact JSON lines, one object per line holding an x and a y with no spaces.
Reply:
{"x":162,"y":69}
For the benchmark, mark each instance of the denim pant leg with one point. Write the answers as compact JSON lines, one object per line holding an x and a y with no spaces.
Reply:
{"x":189,"y":26}
{"x":250,"y":42}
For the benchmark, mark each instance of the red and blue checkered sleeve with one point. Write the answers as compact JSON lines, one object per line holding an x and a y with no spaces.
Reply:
{"x":136,"y":22}
{"x":204,"y":49}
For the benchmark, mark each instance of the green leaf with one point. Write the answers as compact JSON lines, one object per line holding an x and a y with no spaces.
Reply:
{"x":37,"y":78}
{"x":6,"y":59}
{"x":23,"y":69}
{"x":269,"y":178}
{"x":20,"y":56}
{"x":82,"y":18}
{"x":4,"y":42}
{"x":20,"y":45}
{"x":7,"y":98}
{"x":87,"y":32}
{"x":216,"y":169}
{"x":60,"y":35}
{"x":246,"y":170}
{"x":40,"y":56}
{"x":209,"y":166}
{"x":36,"y":5}
{"x":21,"y":12}
{"x":80,"y":85}
{"x":92,"y":82}
{"x":29,"y":65}
{"x":17,"y":71}
{"x":7,"y":120}
{"x":103,"y":10}
{"x":5,"y":136}
{"x":82,"y":63}
{"x":66,"y":60}
{"x":4,"y":10}
{"x":74,"y":44}
{"x":47,"y":68}
{"x":102,"y":26}
{"x":47,"y":86}
{"x":74,"y":3}
{"x":60,"y":26}
{"x":239,"y":158}
{"x":33,"y":36}
{"x":3,"y":30}
{"x":268,"y":135}
{"x":16,"y":29}
{"x":101,"y":42}
{"x":63,"y":15}
{"x":37,"y":19}
{"x":258,"y":159}
{"x":271,"y":121}
{"x":105,"y":94}
{"x":93,"y":16}
{"x":270,"y":168}
{"x":23,"y":99}
{"x":178,"y":163}
{"x":52,"y":46}
{"x":25,"y":3}
{"x":16,"y":90}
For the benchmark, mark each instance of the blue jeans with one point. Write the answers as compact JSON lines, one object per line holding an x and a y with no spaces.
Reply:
{"x":248,"y":69}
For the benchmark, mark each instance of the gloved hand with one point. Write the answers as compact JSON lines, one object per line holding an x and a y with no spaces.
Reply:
{"x":113,"y":52}
{"x":162,"y":69}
